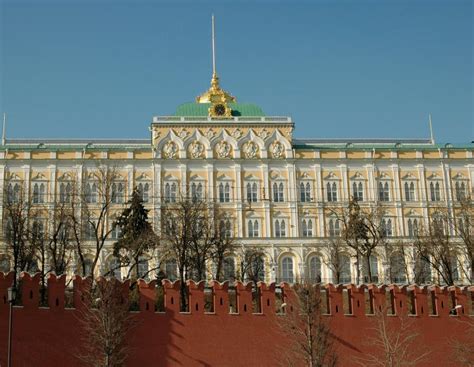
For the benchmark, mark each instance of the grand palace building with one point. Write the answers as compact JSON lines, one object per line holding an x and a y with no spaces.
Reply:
{"x":280,"y":193}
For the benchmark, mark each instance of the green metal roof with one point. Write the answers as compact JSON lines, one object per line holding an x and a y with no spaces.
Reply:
{"x":201,"y":109}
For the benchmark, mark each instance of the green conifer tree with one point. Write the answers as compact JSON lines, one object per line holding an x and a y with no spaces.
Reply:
{"x":136,"y":236}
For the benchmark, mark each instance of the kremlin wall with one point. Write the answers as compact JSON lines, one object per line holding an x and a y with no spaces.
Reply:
{"x":210,"y":335}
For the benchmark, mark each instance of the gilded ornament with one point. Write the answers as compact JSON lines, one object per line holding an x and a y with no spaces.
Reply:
{"x":223,"y":149}
{"x":250,"y":150}
{"x":170,"y":150}
{"x":277,"y":149}
{"x":197,"y":149}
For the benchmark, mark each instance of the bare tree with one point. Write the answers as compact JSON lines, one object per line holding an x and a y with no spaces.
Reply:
{"x":306,"y":329}
{"x":363,"y":232}
{"x":105,"y":326}
{"x":91,"y":209}
{"x":17,"y":231}
{"x":464,"y":229}
{"x":393,"y":342}
{"x":335,"y":249}
{"x":59,"y":238}
{"x":180,"y":226}
{"x":224,"y":243}
{"x":436,"y":246}
{"x":252,"y":264}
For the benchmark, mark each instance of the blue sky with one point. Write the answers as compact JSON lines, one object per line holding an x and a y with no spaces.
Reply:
{"x":341,"y":69}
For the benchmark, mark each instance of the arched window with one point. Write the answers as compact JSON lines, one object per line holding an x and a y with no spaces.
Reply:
{"x":252,"y":192}
{"x":331,"y":189}
{"x":304,"y":227}
{"x":302,"y":193}
{"x":252,"y":228}
{"x":412,"y":227}
{"x":91,"y":193}
{"x":275,"y":192}
{"x":435,"y":192}
{"x":422,"y":270}
{"x":174,"y":190}
{"x":460,"y":191}
{"x":65,"y":190}
{"x":87,"y":267}
{"x":167,"y":192}
{"x":114,"y":268}
{"x":334,"y":228}
{"x":227,"y":192}
{"x":196,"y":191}
{"x":278,"y":192}
{"x":143,"y":268}
{"x":386,"y":227}
{"x":229,"y":268}
{"x":397,"y":268}
{"x":454,"y":268}
{"x":384,"y":192}
{"x":287,"y":274}
{"x":14,"y":192}
{"x":117,"y":192}
{"x":4,"y":264}
{"x":221,"y":192}
{"x":281,"y":196}
{"x":374,"y":269}
{"x":305,"y":192}
{"x":144,"y":190}
{"x":314,"y":269}
{"x":344,"y":269}
{"x":171,"y":270}
{"x":358,"y":191}
{"x":408,"y":192}
{"x":224,"y":192}
{"x":280,"y":228}
{"x":38,"y":193}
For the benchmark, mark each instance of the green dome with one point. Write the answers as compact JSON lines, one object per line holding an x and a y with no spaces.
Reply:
{"x":201,"y":109}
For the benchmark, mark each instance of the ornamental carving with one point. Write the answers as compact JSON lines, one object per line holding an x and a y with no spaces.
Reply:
{"x":210,"y":134}
{"x":277,"y":150}
{"x":183,"y":134}
{"x":264,"y":134}
{"x":197,"y":149}
{"x":237,"y":133}
{"x":250,"y":150}
{"x":223,"y":149}
{"x":170,"y":150}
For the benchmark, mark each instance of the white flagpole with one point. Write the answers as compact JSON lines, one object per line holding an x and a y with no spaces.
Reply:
{"x":213,"y":48}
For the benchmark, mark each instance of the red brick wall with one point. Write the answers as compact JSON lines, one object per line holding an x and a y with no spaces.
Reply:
{"x":50,"y":336}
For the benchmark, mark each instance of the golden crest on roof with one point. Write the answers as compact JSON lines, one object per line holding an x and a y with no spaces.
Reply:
{"x":215,"y":95}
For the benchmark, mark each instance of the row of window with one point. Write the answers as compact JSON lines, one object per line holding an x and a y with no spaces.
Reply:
{"x":253,"y":228}
{"x":252,"y":192}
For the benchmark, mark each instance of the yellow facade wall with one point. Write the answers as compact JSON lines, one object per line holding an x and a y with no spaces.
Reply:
{"x":431,"y":155}
{"x":118,"y":155}
{"x":66,"y":155}
{"x":145,"y":154}
{"x":407,"y":155}
{"x":355,"y":155}
{"x":330,"y":155}
{"x":40,"y":155}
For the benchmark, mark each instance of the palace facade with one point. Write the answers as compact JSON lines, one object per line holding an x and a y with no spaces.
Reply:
{"x":281,"y":193}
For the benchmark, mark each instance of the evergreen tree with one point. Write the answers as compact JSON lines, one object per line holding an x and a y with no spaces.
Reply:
{"x":136,"y":236}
